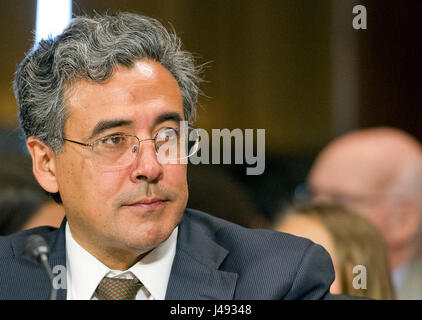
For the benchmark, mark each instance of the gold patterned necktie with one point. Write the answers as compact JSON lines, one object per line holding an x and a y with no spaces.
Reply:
{"x":118,"y":289}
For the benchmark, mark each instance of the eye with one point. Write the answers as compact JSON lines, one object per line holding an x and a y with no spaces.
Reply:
{"x":112,"y":141}
{"x":166,"y":134}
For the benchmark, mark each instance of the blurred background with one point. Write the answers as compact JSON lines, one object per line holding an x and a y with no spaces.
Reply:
{"x":296,"y":68}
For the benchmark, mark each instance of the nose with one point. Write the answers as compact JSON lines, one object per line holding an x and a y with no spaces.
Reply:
{"x":146,"y":166}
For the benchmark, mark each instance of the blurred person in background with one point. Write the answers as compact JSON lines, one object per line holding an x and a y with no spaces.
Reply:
{"x":351,"y":240}
{"x":377,"y":172}
{"x":213,"y":190}
{"x":23,"y":203}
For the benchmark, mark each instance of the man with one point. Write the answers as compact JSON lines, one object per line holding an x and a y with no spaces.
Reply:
{"x":96,"y":104}
{"x":378,"y":173}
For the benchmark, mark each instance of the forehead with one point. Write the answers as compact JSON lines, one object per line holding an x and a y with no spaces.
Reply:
{"x":351,"y":171}
{"x":139,"y":94}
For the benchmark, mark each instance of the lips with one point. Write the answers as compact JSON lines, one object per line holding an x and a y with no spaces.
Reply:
{"x":148,"y":203}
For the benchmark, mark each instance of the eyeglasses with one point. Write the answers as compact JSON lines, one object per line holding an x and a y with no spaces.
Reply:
{"x":304,"y":193}
{"x":120,"y":150}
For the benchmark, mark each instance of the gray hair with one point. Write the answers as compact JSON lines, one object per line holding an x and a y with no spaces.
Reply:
{"x":90,"y":48}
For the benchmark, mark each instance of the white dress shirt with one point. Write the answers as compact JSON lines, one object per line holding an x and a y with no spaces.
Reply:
{"x":84,"y":271}
{"x":399,"y":274}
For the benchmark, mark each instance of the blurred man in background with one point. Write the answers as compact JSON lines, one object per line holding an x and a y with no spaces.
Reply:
{"x":378,"y":173}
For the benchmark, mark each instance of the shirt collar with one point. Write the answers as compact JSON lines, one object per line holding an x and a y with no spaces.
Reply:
{"x":154,"y":269}
{"x":85,"y":271}
{"x":399,"y":274}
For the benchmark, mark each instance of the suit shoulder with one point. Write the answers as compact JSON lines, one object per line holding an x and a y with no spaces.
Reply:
{"x":9,"y":244}
{"x":229,"y":235}
{"x":269,"y":264}
{"x":6,"y":246}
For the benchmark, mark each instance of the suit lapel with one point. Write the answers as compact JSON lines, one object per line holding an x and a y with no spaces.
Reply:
{"x":195,"y":274}
{"x":58,"y":258}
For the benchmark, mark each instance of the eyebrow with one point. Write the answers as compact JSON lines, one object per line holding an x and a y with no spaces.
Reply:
{"x":110,"y":124}
{"x":168,"y":116}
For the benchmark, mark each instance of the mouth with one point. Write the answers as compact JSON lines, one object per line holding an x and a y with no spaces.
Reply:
{"x":148,"y":203}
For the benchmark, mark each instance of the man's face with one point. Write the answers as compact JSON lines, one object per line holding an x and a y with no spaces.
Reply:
{"x":353,"y":180}
{"x":136,"y":207}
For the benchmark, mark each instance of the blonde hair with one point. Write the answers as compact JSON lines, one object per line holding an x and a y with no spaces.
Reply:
{"x":357,"y":242}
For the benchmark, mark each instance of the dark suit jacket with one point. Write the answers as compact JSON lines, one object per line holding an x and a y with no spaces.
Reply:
{"x":215,"y":259}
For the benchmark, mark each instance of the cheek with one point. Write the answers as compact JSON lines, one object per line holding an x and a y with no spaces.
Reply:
{"x":175,"y":180}
{"x":176,"y":176}
{"x":70,"y":179}
{"x":336,"y":286}
{"x":376,"y":216}
{"x":104,"y":184}
{"x":83,"y":186}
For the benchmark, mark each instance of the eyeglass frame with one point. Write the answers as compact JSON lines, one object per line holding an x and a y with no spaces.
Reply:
{"x":91,"y":145}
{"x":304,"y":193}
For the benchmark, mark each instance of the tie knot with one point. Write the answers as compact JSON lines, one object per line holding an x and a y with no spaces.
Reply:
{"x":118,"y":289}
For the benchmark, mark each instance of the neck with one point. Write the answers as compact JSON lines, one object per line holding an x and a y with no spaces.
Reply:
{"x":118,"y":259}
{"x":110,"y":253}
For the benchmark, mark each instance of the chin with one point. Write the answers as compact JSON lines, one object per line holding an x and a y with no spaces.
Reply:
{"x":149,"y":235}
{"x":146,"y":230}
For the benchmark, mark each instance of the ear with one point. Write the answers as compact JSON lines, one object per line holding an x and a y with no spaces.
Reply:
{"x":43,"y":164}
{"x":404,"y":222}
